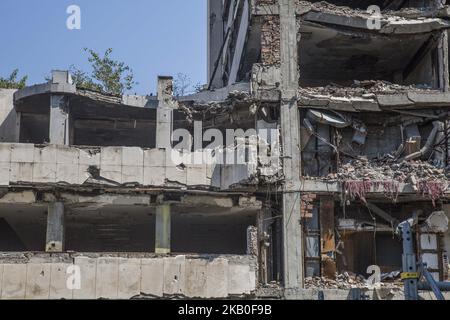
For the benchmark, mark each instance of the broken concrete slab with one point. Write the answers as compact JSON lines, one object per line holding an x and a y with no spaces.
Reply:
{"x":111,"y":156}
{"x":129,"y":278}
{"x":38,"y":281}
{"x":152,"y":278}
{"x":107,"y":278}
{"x":22,"y":153}
{"x":217,"y":273}
{"x":88,"y":269}
{"x":196,"y":278}
{"x":59,"y":279}
{"x":175,"y":275}
{"x":241,"y":280}
{"x":14,"y":281}
{"x":132,"y":175}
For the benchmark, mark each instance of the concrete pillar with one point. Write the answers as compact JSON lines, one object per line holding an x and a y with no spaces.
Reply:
{"x":443,"y":60}
{"x":17,"y":127}
{"x":215,"y":40}
{"x":59,"y":111}
{"x":59,"y":121}
{"x":240,"y":43}
{"x":163,"y":229}
{"x":164,"y":114}
{"x":293,"y":256}
{"x":264,"y":219}
{"x":55,"y":228}
{"x":252,"y":241}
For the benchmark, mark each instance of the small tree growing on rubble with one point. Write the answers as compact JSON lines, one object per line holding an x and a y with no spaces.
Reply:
{"x":182,"y":85}
{"x":108,"y":75}
{"x":82,"y":80}
{"x":12,"y":82}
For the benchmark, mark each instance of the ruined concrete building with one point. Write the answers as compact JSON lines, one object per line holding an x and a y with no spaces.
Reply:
{"x":359,"y":104}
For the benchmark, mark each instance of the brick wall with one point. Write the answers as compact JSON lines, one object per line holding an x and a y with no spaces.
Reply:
{"x":270,"y":41}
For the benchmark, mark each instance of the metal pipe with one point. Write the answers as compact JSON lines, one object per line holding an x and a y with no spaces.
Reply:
{"x":432,"y":283}
{"x":443,"y":286}
{"x":428,"y":145}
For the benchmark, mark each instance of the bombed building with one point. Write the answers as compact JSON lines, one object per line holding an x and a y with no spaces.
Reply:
{"x":339,"y":115}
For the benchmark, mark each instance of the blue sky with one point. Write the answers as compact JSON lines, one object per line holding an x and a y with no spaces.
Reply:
{"x":154,"y":37}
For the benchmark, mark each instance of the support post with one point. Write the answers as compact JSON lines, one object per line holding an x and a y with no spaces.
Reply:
{"x":293,"y":256}
{"x":59,"y":121}
{"x":215,"y":41}
{"x":17,"y":127}
{"x":164,"y":113}
{"x":263,"y":221}
{"x":163,"y":229}
{"x":443,"y":60}
{"x":59,"y":111}
{"x":409,"y":276}
{"x":55,"y":228}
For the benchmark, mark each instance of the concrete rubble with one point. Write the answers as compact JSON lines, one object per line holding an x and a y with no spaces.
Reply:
{"x":368,"y":89}
{"x":403,"y":172}
{"x":326,"y":7}
{"x":348,"y":281}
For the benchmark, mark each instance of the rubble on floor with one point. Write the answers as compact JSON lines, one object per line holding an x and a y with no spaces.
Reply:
{"x":368,"y":89}
{"x":346,"y":281}
{"x":199,"y":110}
{"x":271,"y":290}
{"x":398,"y":15}
{"x":404,"y":172}
{"x":360,"y":177}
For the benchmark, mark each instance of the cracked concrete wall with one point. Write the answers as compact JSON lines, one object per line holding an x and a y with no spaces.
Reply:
{"x":8,"y":117}
{"x":109,"y":277}
{"x":112,"y":166}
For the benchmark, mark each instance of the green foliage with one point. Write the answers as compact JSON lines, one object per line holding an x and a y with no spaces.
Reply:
{"x":83,"y":81}
{"x":108,"y":75}
{"x":12,"y":82}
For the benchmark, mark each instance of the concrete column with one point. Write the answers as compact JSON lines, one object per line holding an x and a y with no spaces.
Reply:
{"x":17,"y":127}
{"x":164,"y":122}
{"x":240,"y":43}
{"x":59,"y":111}
{"x":264,"y":220}
{"x":55,"y":228}
{"x":59,"y":121}
{"x":443,"y":60}
{"x":163,"y":229}
{"x":293,"y":257}
{"x":215,"y":40}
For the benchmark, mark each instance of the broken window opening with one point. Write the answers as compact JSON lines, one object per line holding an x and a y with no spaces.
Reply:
{"x":330,"y":55}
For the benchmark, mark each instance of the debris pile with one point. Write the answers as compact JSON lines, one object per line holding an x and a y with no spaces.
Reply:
{"x":362,"y":89}
{"x":347,"y":281}
{"x":402,"y":14}
{"x":362,"y":176}
{"x":201,"y":109}
{"x":405,"y":172}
